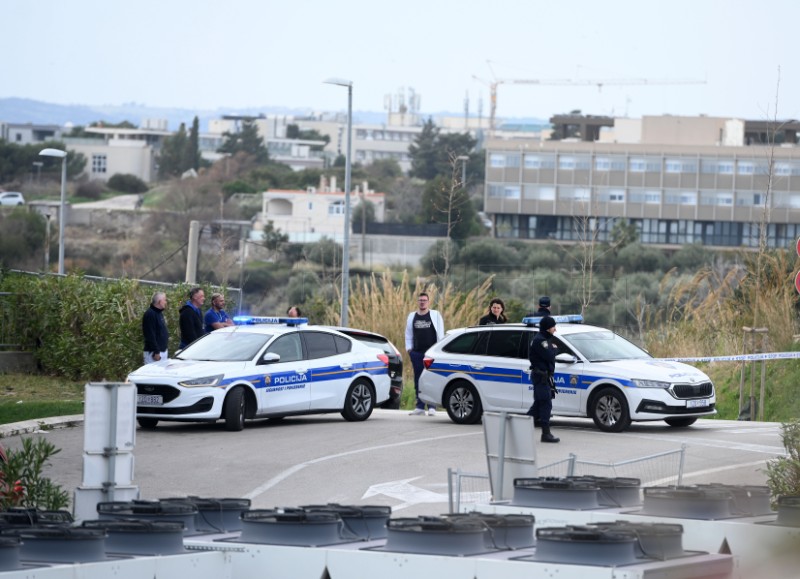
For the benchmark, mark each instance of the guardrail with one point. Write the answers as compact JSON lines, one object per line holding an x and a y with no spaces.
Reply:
{"x":664,"y":468}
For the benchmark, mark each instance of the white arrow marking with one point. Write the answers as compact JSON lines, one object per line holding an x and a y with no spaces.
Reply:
{"x":403,"y":491}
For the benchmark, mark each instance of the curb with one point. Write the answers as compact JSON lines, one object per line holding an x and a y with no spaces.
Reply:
{"x":40,"y":425}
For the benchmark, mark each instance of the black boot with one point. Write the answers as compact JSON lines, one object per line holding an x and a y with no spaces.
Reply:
{"x":547,"y":436}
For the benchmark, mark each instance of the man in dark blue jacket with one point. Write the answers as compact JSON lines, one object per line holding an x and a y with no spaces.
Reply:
{"x":542,"y":355}
{"x":154,"y":328}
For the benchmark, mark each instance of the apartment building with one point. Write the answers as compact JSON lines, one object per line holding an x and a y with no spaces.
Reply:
{"x":679,"y":180}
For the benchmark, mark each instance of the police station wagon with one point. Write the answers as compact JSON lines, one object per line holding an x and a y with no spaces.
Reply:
{"x":263,"y":368}
{"x":598,"y":374}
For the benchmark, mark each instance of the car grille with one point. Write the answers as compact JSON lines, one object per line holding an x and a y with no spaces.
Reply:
{"x":684,"y":391}
{"x":167,"y":392}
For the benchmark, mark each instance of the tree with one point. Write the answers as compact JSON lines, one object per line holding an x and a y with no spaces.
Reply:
{"x":623,"y":233}
{"x":172,"y":159}
{"x":246,"y":140}
{"x":424,"y":152}
{"x":192,"y":152}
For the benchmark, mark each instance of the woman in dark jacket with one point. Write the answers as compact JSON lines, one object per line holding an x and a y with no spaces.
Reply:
{"x":495,"y":315}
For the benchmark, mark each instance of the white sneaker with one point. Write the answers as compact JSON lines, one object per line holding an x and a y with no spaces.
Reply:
{"x":431,"y":411}
{"x":417,"y":412}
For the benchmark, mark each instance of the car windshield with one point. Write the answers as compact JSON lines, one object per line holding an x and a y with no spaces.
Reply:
{"x":604,"y":346}
{"x":225,"y":347}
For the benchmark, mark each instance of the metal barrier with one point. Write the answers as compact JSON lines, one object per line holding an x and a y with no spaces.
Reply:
{"x":664,"y":468}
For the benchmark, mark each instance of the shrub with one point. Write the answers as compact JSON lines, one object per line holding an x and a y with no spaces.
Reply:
{"x":127,"y":183}
{"x":783,"y":473}
{"x":21,"y":480}
{"x":91,"y":190}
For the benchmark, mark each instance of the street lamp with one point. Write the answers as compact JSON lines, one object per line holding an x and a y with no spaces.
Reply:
{"x":347,"y":163}
{"x":63,"y":156}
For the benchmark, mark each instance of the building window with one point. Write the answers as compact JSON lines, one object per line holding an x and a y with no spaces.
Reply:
{"x":725,"y":168}
{"x":99,"y":163}
{"x":497,"y":161}
{"x":637,"y":165}
{"x":336,"y":208}
{"x":673,"y":166}
{"x":566,"y":163}
{"x":602,"y":164}
{"x":745,"y":168}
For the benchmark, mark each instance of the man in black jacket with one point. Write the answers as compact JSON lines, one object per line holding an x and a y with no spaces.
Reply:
{"x":154,"y":328}
{"x":542,"y":355}
{"x":191,"y":318}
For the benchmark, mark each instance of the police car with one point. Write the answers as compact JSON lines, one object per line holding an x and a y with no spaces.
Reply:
{"x":263,"y":368}
{"x":598,"y":374}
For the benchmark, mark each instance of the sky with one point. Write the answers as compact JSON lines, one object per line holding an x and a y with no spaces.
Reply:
{"x":728,"y":58}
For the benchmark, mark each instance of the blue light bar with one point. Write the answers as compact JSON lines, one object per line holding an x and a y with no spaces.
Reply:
{"x":570,"y":319}
{"x":252,"y":320}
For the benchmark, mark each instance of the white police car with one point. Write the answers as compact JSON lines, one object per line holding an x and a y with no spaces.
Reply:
{"x":263,"y":368}
{"x":598,"y":374}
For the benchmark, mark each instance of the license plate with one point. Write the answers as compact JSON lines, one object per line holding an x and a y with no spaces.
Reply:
{"x":697,"y":403}
{"x":149,"y":400}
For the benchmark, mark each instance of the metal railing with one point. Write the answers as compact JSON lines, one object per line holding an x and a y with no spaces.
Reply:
{"x":664,"y":468}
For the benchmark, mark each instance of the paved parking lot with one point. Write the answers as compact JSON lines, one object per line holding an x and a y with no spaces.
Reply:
{"x":392,"y":458}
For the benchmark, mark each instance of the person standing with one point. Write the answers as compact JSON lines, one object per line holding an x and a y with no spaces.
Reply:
{"x":542,"y":355}
{"x":496,"y":314}
{"x":424,"y":327}
{"x":216,"y":317}
{"x":544,"y":306}
{"x":191,"y":318}
{"x":154,"y":329}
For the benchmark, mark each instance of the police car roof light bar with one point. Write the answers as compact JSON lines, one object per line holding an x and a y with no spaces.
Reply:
{"x":569,"y":319}
{"x":252,"y":320}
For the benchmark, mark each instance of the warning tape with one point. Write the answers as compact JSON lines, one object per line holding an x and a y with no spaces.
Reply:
{"x":739,"y":358}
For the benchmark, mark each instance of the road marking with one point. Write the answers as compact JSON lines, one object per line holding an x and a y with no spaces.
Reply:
{"x":259,"y":490}
{"x":698,"y":473}
{"x":409,"y":494}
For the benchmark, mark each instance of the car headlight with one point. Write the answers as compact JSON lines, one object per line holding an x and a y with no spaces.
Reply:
{"x":651,"y":384}
{"x":205,"y":381}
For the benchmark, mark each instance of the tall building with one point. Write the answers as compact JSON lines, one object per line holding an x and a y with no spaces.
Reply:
{"x":679,"y":180}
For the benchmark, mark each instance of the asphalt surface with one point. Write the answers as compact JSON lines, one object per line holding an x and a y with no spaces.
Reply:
{"x":392,"y":458}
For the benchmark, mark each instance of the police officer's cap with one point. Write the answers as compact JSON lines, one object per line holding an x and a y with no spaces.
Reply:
{"x":544,"y":302}
{"x":546,"y":323}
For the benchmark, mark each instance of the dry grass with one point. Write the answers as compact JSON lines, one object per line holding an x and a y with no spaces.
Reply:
{"x":381,"y":304}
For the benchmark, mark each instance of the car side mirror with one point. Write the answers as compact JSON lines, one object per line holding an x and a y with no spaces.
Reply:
{"x":565,"y":358}
{"x":270,"y":358}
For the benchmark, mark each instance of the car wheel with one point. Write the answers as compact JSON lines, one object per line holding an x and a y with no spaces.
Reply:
{"x":681,"y":422}
{"x":148,"y":423}
{"x":610,"y":410}
{"x":234,"y":410}
{"x":463,"y":403}
{"x":359,"y":402}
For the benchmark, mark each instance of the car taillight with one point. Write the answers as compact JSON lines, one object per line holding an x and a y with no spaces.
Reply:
{"x":384,"y":358}
{"x":427,"y":362}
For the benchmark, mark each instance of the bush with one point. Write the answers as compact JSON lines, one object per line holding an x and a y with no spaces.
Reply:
{"x":126,"y":183}
{"x":21,"y":480}
{"x":91,"y":190}
{"x":783,"y":473}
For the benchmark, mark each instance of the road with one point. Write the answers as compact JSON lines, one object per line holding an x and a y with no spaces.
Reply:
{"x":392,"y":458}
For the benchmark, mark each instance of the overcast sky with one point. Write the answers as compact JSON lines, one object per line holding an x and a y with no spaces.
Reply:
{"x":210,"y":54}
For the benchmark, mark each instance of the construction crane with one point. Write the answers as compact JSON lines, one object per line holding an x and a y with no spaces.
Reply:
{"x":570,"y":82}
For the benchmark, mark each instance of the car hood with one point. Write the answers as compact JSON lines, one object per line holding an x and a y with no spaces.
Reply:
{"x":185,"y":368}
{"x":650,"y":369}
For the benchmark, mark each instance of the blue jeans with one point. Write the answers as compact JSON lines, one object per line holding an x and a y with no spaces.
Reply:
{"x":418,"y":366}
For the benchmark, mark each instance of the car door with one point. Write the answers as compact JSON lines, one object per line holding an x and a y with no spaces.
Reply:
{"x":286,"y":382}
{"x":502,"y":371}
{"x":567,"y":379}
{"x":330,"y":361}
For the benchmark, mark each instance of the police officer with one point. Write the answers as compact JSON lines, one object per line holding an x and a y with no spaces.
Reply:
{"x":542,"y":355}
{"x":544,"y":306}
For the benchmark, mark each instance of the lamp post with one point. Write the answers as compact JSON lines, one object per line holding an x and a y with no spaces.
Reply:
{"x":347,"y":163}
{"x":63,"y":156}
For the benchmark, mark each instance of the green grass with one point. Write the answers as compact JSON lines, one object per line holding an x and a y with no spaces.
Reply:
{"x":29,"y":396}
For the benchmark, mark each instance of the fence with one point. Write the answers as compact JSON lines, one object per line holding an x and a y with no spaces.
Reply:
{"x":664,"y":468}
